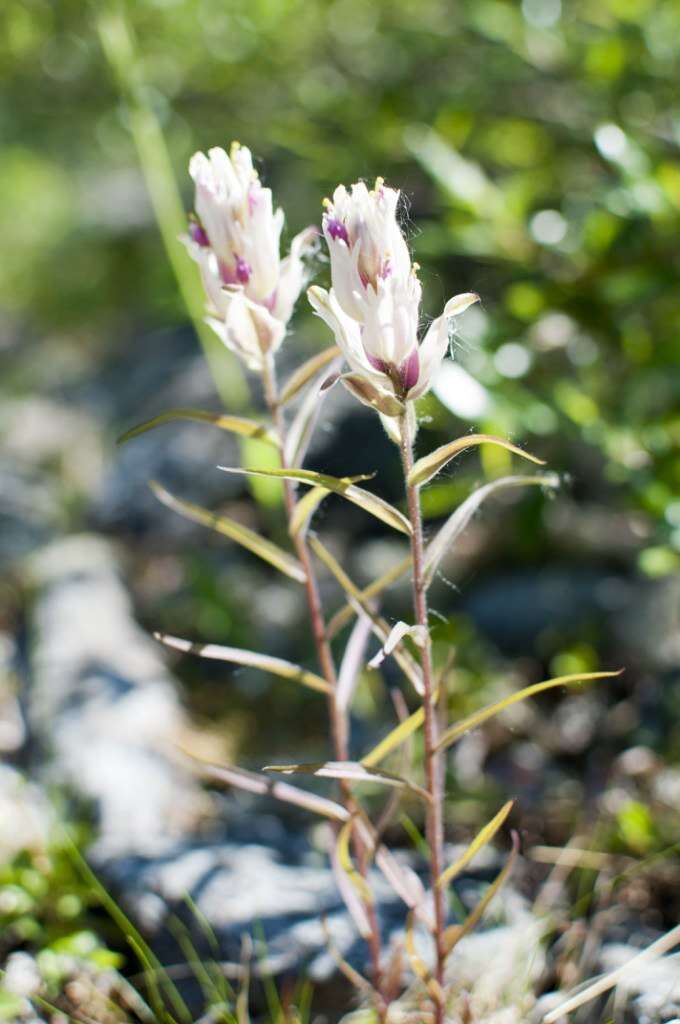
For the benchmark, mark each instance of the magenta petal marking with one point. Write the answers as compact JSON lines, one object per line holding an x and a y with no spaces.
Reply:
{"x":409,"y":370}
{"x":243,"y":271}
{"x":337,"y":230}
{"x":228,"y":275}
{"x":378,"y":364}
{"x":198,"y":234}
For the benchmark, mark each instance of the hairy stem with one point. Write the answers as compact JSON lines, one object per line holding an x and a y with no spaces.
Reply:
{"x":337,"y":720}
{"x":433,"y":758}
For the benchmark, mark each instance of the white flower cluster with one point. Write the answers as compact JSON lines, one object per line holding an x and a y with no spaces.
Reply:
{"x":373,"y":306}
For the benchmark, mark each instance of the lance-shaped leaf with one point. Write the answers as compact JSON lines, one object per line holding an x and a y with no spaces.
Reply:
{"x":300,"y":431}
{"x":349,"y":894}
{"x":472,"y":721}
{"x":228,"y":527}
{"x":339,"y":485}
{"x":403,"y":879}
{"x":251,"y":659}
{"x":430,"y":465}
{"x":398,"y":632}
{"x":307,"y":372}
{"x":455,"y":933}
{"x":307,"y":505}
{"x":484,"y":836}
{"x":380,"y":626}
{"x":458,"y":520}
{"x":351,"y":771}
{"x":347,"y":864}
{"x":253,"y":782}
{"x":419,"y":967}
{"x":352,"y":660}
{"x":374,"y":589}
{"x":395,"y":738}
{"x":233,"y":424}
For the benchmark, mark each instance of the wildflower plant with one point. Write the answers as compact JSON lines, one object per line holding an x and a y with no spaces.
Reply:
{"x":379,"y":355}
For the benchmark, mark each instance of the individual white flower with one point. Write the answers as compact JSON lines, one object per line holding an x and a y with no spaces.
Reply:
{"x":373,"y":307}
{"x":235,"y":239}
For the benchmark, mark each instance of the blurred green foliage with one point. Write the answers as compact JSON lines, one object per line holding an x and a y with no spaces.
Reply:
{"x":537,"y":143}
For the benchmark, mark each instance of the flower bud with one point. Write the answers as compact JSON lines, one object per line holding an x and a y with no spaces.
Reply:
{"x":235,"y":239}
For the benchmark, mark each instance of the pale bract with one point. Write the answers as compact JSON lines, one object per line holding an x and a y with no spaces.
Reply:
{"x":235,"y":239}
{"x":373,"y":306}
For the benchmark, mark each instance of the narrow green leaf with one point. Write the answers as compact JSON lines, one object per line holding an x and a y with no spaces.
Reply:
{"x":233,"y":424}
{"x":305,"y":508}
{"x":430,"y":465}
{"x":253,"y":782}
{"x":306,"y":372}
{"x":455,"y":933}
{"x":344,"y":614}
{"x":352,"y":771}
{"x":458,"y":520}
{"x":484,"y":836}
{"x":237,"y":656}
{"x":394,"y":738}
{"x":339,"y":485}
{"x":247,"y":538}
{"x":472,"y":721}
{"x":381,"y":628}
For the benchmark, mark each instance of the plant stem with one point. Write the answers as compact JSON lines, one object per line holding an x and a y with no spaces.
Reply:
{"x":433,"y":758}
{"x":337,"y":720}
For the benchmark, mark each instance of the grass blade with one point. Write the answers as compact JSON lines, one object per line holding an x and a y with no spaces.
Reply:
{"x":344,"y":486}
{"x":484,"y":836}
{"x":251,"y":659}
{"x":455,"y":933}
{"x":228,"y":527}
{"x":472,"y":721}
{"x":431,"y":464}
{"x":234,"y":424}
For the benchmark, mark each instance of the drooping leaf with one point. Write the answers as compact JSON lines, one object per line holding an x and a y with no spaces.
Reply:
{"x":380,"y":626}
{"x":458,"y":520}
{"x":395,"y":738}
{"x":431,"y":464}
{"x":228,"y":527}
{"x":401,"y":877}
{"x":472,"y":721}
{"x":352,"y":771}
{"x":253,"y":782}
{"x":399,"y":631}
{"x":237,"y":656}
{"x":455,"y":933}
{"x":233,"y":424}
{"x":344,"y":614}
{"x":306,"y":372}
{"x":339,"y":485}
{"x":484,"y":836}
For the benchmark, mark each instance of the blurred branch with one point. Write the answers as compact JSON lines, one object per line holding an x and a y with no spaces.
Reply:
{"x":119,"y":48}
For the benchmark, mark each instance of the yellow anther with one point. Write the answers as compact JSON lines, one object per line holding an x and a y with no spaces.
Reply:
{"x":325,"y":202}
{"x":379,"y":182}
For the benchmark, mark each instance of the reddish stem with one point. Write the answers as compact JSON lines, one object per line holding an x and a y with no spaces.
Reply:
{"x":433,"y":758}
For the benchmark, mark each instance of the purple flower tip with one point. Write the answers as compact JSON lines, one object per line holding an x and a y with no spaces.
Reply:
{"x":336,"y":229}
{"x":197,"y":233}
